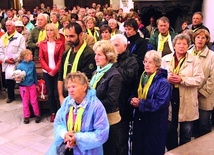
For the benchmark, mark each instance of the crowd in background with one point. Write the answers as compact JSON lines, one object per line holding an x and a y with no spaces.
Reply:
{"x":148,"y":78}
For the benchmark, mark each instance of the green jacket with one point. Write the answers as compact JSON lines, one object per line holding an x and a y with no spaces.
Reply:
{"x":154,"y":39}
{"x":32,"y":42}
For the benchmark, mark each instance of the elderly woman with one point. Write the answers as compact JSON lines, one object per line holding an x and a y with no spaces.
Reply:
{"x":81,"y":125}
{"x":185,"y":75}
{"x":65,"y":20}
{"x":151,"y":113}
{"x":91,"y":29}
{"x":107,"y":82}
{"x":114,"y":27}
{"x":206,"y":91}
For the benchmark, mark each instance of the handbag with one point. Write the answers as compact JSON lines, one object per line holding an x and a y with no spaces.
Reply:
{"x":61,"y":150}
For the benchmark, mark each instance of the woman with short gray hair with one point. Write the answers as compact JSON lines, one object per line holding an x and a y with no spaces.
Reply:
{"x":151,"y":108}
{"x":185,"y":74}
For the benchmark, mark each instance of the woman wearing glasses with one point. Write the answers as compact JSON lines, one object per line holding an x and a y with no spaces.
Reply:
{"x":151,"y":108}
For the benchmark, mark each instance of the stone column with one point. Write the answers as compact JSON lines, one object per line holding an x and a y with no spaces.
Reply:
{"x":208,"y":21}
{"x":59,"y":3}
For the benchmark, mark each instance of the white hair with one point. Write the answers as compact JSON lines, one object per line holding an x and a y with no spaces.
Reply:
{"x":11,"y":22}
{"x":113,"y":21}
{"x":119,"y":37}
{"x":46,"y":16}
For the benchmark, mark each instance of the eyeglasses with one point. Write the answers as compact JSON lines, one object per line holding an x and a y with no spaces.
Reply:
{"x":148,"y":62}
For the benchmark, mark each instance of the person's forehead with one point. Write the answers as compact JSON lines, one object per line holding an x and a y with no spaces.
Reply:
{"x":197,"y":16}
{"x":70,"y":31}
{"x":162,"y":22}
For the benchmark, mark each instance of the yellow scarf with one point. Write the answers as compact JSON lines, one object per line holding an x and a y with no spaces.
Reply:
{"x":177,"y":69}
{"x":75,"y":126}
{"x":56,"y":24}
{"x":196,"y":53}
{"x":161,"y":40}
{"x":143,"y":91}
{"x":76,"y":60}
{"x":90,"y":34}
{"x":7,"y":38}
{"x":42,"y":35}
{"x":113,"y":33}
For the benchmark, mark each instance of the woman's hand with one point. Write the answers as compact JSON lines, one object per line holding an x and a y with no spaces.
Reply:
{"x":174,"y":79}
{"x":135,"y":102}
{"x":70,"y":139}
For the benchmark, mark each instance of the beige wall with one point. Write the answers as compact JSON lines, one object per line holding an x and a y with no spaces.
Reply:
{"x":59,"y":3}
{"x":208,"y":16}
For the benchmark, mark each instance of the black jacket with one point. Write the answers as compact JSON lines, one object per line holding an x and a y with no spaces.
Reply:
{"x":128,"y":68}
{"x":137,"y":46}
{"x":108,"y":89}
{"x":86,"y":63}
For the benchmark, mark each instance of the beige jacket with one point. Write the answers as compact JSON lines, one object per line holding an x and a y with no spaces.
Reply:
{"x":206,"y":100}
{"x":192,"y":77}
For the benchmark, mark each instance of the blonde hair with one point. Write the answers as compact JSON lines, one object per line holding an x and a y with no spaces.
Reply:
{"x":23,"y":54}
{"x":89,"y":18}
{"x":77,"y":77}
{"x":55,"y":29}
{"x":108,"y":50}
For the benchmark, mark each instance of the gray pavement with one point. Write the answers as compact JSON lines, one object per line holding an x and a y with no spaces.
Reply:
{"x":17,"y":138}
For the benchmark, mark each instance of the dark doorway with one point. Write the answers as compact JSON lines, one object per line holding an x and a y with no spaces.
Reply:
{"x":85,"y":3}
{"x":31,"y":4}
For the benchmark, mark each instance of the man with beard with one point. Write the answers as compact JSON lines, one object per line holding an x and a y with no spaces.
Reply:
{"x":80,"y":57}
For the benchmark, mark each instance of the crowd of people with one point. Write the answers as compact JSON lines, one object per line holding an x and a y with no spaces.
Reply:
{"x":115,"y":86}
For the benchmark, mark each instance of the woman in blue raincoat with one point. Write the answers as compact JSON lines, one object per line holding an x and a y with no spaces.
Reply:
{"x":81,"y":124}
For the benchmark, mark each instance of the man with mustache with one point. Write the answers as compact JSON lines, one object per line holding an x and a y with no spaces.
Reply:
{"x":80,"y":57}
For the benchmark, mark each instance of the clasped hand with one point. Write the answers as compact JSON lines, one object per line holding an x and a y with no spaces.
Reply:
{"x":10,"y":61}
{"x":174,"y":79}
{"x":135,"y":101}
{"x":70,"y":139}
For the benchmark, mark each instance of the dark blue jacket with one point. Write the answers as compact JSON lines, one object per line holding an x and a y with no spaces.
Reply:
{"x":151,"y":117}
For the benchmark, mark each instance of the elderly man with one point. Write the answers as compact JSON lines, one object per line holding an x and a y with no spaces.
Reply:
{"x":197,"y":22}
{"x":37,"y":35}
{"x":11,"y":44}
{"x":80,"y":57}
{"x":161,"y":40}
{"x":128,"y":68}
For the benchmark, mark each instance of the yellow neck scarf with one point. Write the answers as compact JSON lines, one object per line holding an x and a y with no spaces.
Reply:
{"x":161,"y":40}
{"x":42,"y":35}
{"x":143,"y":91}
{"x":90,"y":33}
{"x":76,"y":60}
{"x":177,"y":69}
{"x":75,"y":126}
{"x":7,"y":38}
{"x":56,"y":24}
{"x":113,"y":33}
{"x":195,"y":53}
